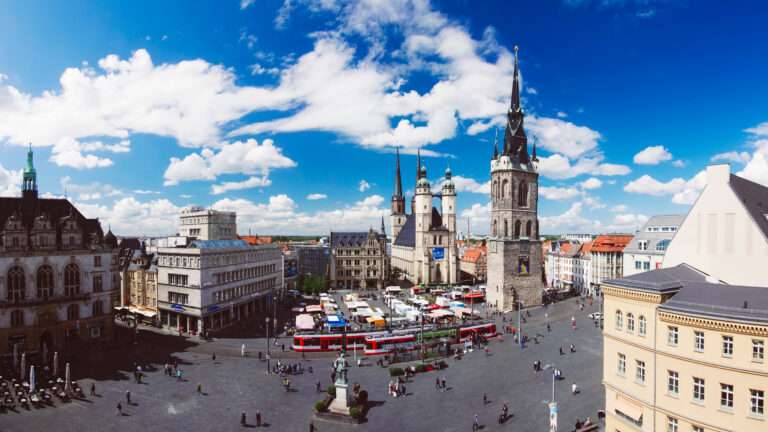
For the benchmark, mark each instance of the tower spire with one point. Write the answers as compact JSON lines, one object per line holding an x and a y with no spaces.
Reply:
{"x":418,"y":164}
{"x":29,"y":176}
{"x":398,"y":181}
{"x":382,"y":226}
{"x":496,"y":144}
{"x":515,"y":103}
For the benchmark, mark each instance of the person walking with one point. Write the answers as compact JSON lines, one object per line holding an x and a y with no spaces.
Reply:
{"x":93,"y":389}
{"x":574,"y":388}
{"x":242,"y":418}
{"x":561,"y":350}
{"x":573,"y":348}
{"x":549,"y":328}
{"x":476,"y":423}
{"x":485,"y":399}
{"x":128,"y":396}
{"x":311,"y":427}
{"x":317,"y":386}
{"x":445,"y":387}
{"x":199,"y":388}
{"x":258,"y":418}
{"x":437,"y":384}
{"x":213,"y":357}
{"x":119,"y":409}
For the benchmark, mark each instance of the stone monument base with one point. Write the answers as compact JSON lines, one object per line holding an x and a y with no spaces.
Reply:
{"x":340,"y":404}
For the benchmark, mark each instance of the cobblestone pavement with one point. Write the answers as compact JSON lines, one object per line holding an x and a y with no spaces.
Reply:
{"x":232,"y":384}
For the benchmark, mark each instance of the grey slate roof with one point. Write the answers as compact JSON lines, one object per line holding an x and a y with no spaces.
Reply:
{"x":407,"y":235}
{"x":55,"y":208}
{"x":755,"y":200}
{"x":653,"y":238}
{"x":721,"y":301}
{"x":351,"y":239}
{"x":661,"y":280}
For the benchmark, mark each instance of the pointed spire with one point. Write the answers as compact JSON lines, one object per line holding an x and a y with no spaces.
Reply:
{"x":533,"y":156}
{"x":382,"y":226}
{"x":496,"y":144}
{"x":398,"y":181}
{"x":418,"y":164}
{"x":515,"y":104}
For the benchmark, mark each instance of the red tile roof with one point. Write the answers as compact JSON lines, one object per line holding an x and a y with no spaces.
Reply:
{"x":472,"y":255}
{"x":611,"y":243}
{"x":256,"y":240}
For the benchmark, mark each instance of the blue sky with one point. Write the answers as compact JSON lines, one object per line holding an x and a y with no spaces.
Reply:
{"x":289,"y":111}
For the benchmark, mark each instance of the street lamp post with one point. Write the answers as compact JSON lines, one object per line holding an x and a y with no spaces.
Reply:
{"x":552,"y":366}
{"x":267,"y":321}
{"x":520,"y":322}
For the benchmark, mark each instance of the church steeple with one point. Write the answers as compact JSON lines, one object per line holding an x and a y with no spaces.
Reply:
{"x":496,"y":144}
{"x":515,"y":141}
{"x":398,"y":200}
{"x":383,"y":230}
{"x":418,"y":164}
{"x":398,"y":181}
{"x":29,"y":185}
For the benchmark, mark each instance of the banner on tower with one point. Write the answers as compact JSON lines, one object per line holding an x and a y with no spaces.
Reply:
{"x":438,"y":254}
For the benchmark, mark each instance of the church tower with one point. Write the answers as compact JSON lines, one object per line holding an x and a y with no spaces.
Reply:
{"x":397,"y":214}
{"x":514,"y":249}
{"x":29,"y":185}
{"x":448,"y":210}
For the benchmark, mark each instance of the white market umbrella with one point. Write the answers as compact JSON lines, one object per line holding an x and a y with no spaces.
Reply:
{"x":68,"y":378}
{"x":32,"y":379}
{"x":56,"y":364}
{"x":23,"y":366}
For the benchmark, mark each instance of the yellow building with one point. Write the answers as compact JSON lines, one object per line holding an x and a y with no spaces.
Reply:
{"x":684,"y":352}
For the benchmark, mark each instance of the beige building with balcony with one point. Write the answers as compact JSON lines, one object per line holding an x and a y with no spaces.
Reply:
{"x":684,"y":352}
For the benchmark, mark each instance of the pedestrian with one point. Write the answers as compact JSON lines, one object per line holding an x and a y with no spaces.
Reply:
{"x":199,"y":388}
{"x":311,"y":427}
{"x":178,"y":374}
{"x":561,"y":350}
{"x":259,"y":355}
{"x":242,"y":350}
{"x":258,"y":418}
{"x":242,"y":418}
{"x":213,"y":357}
{"x":476,"y":423}
{"x":549,"y":328}
{"x":128,"y":396}
{"x":283,"y":347}
{"x":573,"y":348}
{"x":445,"y":388}
{"x":317,"y":386}
{"x":402,"y":389}
{"x":574,"y":388}
{"x":119,"y":409}
{"x":581,"y":306}
{"x":485,"y":399}
{"x":437,"y":384}
{"x":93,"y":389}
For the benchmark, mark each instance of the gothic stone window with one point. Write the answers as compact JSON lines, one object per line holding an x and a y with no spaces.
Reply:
{"x":517,"y":229}
{"x":528,"y":228}
{"x":15,"y":284}
{"x":71,"y":280}
{"x":44,"y":282}
{"x":522,"y":194}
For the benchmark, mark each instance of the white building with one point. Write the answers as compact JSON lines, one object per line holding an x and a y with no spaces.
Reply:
{"x":577,"y":237}
{"x":646,"y":250}
{"x":606,"y":259}
{"x":424,"y":242}
{"x":208,"y":224}
{"x":726,"y":230}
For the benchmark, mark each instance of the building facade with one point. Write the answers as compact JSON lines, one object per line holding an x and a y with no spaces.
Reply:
{"x":647,"y":248}
{"x":58,"y":274}
{"x":607,"y":259}
{"x":139,"y":281}
{"x":683,"y":352}
{"x":207,"y":224}
{"x":726,"y":230}
{"x":515,"y":263}
{"x":313,"y":260}
{"x":424,"y":245}
{"x":474,"y":263}
{"x":359,"y":259}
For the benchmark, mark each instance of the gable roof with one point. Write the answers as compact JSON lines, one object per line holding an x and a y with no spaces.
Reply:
{"x":55,"y":208}
{"x":351,"y":239}
{"x":754,"y":197}
{"x":407,"y":235}
{"x":472,"y":255}
{"x":661,"y":280}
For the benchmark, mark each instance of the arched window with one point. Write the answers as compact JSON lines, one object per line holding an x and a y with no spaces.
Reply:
{"x":97,"y":308}
{"x":73,"y":312}
{"x":528,"y":228}
{"x":504,"y":184}
{"x":630,"y":322}
{"x":522,"y":194}
{"x":44,"y":282}
{"x":17,"y":318}
{"x":495,"y":228}
{"x":517,"y":229}
{"x":15,"y":284}
{"x":71,"y":280}
{"x":619,"y":320}
{"x":495,"y":189}
{"x":642,"y":325}
{"x":506,"y":228}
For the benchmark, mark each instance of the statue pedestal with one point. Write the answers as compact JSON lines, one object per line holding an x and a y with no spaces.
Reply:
{"x":340,"y":404}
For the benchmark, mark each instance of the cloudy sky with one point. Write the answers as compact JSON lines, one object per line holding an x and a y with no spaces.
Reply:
{"x":289,"y":111}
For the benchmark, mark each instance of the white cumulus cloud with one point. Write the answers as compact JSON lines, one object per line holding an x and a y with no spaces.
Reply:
{"x":652,"y":155}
